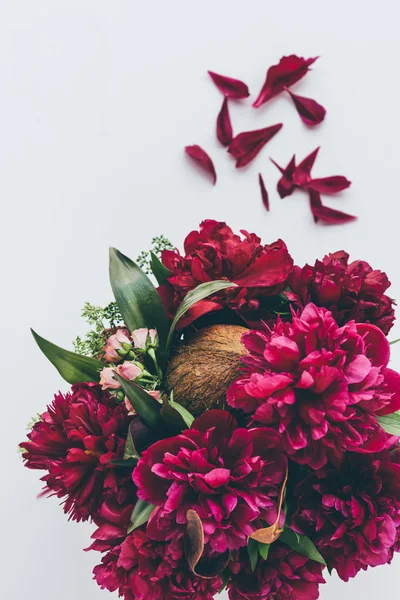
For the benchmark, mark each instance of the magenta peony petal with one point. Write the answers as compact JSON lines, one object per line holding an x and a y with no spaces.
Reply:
{"x":229,"y":87}
{"x":202,"y":159}
{"x":392,"y":381}
{"x":326,"y":214}
{"x":245,"y":146}
{"x":224,"y":126}
{"x":286,"y":185}
{"x":328,"y":185}
{"x":376,"y":343}
{"x":270,"y":269}
{"x":311,"y":113}
{"x":264,"y":193}
{"x":303,"y":170}
{"x":217,"y":477}
{"x":288,"y":71}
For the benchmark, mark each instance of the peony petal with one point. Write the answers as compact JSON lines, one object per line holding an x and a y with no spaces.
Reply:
{"x":377,"y":347}
{"x":288,"y":71}
{"x":202,"y":159}
{"x":217,"y":477}
{"x":271,"y":269}
{"x":264,"y":193}
{"x":224,"y":126}
{"x":328,"y":185}
{"x":303,"y":170}
{"x":326,"y":214}
{"x":392,"y":381}
{"x":229,"y":87}
{"x":245,"y":146}
{"x":286,"y":185}
{"x":311,"y":113}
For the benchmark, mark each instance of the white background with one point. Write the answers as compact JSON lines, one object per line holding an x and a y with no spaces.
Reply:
{"x":97,"y":101}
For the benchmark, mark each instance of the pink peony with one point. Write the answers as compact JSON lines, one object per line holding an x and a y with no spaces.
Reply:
{"x":75,"y":441}
{"x":215,"y":252}
{"x":114,"y":345}
{"x":351,"y":291}
{"x":230,"y":476}
{"x":139,"y":337}
{"x":285,"y":575}
{"x":319,"y":385}
{"x":352,"y":515}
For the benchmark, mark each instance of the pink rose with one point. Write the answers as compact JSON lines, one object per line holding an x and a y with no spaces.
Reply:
{"x":139,"y":337}
{"x":114,"y":343}
{"x":129,"y":370}
{"x":107,"y":380}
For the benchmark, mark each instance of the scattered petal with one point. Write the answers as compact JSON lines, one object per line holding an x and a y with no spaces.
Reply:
{"x":289,"y":70}
{"x":202,"y":159}
{"x":303,"y":170}
{"x":229,"y":87}
{"x":247,"y":145}
{"x":286,"y":185}
{"x":311,"y":113}
{"x":264,"y":192}
{"x":224,"y":126}
{"x":326,"y":214}
{"x":194,"y":546}
{"x":328,"y":185}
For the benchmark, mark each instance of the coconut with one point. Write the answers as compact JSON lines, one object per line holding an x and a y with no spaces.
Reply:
{"x":204,"y":366}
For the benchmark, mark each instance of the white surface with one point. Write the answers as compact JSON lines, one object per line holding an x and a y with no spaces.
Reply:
{"x":97,"y":101}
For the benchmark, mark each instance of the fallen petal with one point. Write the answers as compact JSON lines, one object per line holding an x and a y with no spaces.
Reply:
{"x":302,"y":171}
{"x":202,"y":159}
{"x":286,"y":185}
{"x":264,"y":193}
{"x":194,"y":546}
{"x":224,"y":126}
{"x":326,"y":214}
{"x":245,"y":146}
{"x":231,"y":88}
{"x":311,"y":113}
{"x":288,"y":71}
{"x":328,"y":185}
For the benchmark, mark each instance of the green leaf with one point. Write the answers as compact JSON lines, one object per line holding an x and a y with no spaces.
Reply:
{"x":390,"y":423}
{"x":120,"y":462}
{"x":252,"y":549}
{"x":130,"y":450}
{"x":137,"y":298}
{"x":301,"y":544}
{"x":74,"y":368}
{"x":160,"y":271}
{"x":263,"y":549}
{"x":145,"y":405}
{"x":394,"y":341}
{"x":209,"y":288}
{"x":140,"y":515}
{"x":176,"y":415}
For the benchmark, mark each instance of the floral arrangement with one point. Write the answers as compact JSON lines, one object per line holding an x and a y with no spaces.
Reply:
{"x":235,"y":427}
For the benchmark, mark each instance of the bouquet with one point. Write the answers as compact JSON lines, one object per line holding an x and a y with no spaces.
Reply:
{"x":234,"y":427}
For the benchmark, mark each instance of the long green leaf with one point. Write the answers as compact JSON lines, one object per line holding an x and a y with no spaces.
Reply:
{"x":390,"y":423}
{"x":176,"y":415}
{"x":137,"y":298}
{"x":130,"y":449}
{"x":74,"y":368}
{"x":209,"y":288}
{"x":160,"y":271}
{"x":252,"y":549}
{"x":301,"y":544}
{"x":263,"y":550}
{"x":145,"y":405}
{"x":140,"y":515}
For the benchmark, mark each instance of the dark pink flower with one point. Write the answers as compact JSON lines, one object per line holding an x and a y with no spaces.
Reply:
{"x":202,"y":159}
{"x":264,"y":193}
{"x":352,"y":514}
{"x":224,"y":126}
{"x":319,"y":385}
{"x":229,"y":87}
{"x":78,"y":436}
{"x":285,"y":575}
{"x":230,"y":476}
{"x":215,"y":252}
{"x":328,"y":215}
{"x":245,"y":146}
{"x":351,"y":290}
{"x":288,"y":71}
{"x":311,"y":113}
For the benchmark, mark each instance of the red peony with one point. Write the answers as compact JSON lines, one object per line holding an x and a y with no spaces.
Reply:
{"x":319,"y":385}
{"x":285,"y":575}
{"x":215,"y":252}
{"x":351,"y":291}
{"x":78,"y":436}
{"x":141,"y":568}
{"x":353,"y":515}
{"x":230,"y":476}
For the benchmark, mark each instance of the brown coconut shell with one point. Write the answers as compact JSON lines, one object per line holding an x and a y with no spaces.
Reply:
{"x":203,"y":367}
